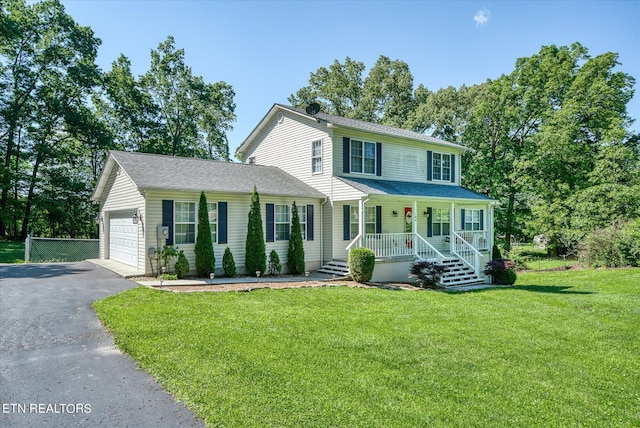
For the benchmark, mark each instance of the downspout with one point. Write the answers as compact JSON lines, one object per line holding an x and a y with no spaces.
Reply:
{"x":322,"y":231}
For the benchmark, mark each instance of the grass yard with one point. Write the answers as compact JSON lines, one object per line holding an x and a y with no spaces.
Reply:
{"x":11,"y":251}
{"x":560,"y":349}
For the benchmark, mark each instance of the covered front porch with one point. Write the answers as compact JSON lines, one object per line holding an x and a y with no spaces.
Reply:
{"x":401,"y":229}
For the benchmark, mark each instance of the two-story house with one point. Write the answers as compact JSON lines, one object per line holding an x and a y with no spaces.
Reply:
{"x":359,"y":184}
{"x":395,"y":191}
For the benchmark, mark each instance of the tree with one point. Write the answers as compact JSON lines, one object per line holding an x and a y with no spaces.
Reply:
{"x":295,"y":252}
{"x":255,"y":251}
{"x":168,"y":110}
{"x":205,"y":258}
{"x":48,"y":71}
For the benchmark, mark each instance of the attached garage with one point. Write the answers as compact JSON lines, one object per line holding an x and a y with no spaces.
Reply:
{"x":123,"y":238}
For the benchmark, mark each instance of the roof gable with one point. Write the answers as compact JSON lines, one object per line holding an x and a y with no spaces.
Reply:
{"x":161,"y":172}
{"x":344,"y":122}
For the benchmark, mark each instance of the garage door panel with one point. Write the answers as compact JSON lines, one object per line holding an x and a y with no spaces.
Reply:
{"x":123,"y":240}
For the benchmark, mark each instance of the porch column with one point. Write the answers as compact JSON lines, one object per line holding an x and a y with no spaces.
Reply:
{"x":452,"y":227}
{"x":414,"y":228}
{"x":361,"y":218}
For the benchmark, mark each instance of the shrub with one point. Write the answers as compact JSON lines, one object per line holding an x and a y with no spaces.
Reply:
{"x":613,"y":246}
{"x":167,"y":254}
{"x":295,"y":253}
{"x":255,"y":251}
{"x":228,"y":264}
{"x":205,"y":259}
{"x":182,"y":265}
{"x":427,"y":273}
{"x":361,"y":264}
{"x":502,"y":271}
{"x":274,"y":263}
{"x":495,"y":252}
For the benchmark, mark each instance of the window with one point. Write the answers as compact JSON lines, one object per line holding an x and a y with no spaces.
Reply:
{"x":370,"y":219}
{"x":441,"y":166}
{"x":441,"y":222}
{"x":354,"y":226}
{"x":282,"y":222}
{"x":316,"y":157}
{"x":302,"y":216}
{"x":363,"y":157}
{"x":212,"y":209}
{"x":185,"y":222}
{"x":472,"y":220}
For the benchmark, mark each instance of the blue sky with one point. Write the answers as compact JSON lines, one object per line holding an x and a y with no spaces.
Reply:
{"x":267,"y":49}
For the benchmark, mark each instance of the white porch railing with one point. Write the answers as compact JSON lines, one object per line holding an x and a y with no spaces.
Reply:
{"x":466,"y":252}
{"x":476,"y":238}
{"x":386,"y":245}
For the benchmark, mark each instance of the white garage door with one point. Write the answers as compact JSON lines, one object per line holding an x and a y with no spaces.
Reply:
{"x":123,"y":239}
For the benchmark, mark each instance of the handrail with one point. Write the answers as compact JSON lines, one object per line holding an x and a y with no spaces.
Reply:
{"x":465,"y":251}
{"x":430,"y":252}
{"x":355,"y":241}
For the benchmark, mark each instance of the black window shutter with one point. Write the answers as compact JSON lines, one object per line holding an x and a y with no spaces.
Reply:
{"x":429,"y":165}
{"x":481,"y":219}
{"x":309,"y":222}
{"x":271,"y":211}
{"x":222,"y":222}
{"x":453,"y":168}
{"x":346,"y":222}
{"x":167,"y":218}
{"x":462,"y":219}
{"x":346,"y":154}
{"x":378,"y":219}
{"x":379,"y":159}
{"x":429,"y":222}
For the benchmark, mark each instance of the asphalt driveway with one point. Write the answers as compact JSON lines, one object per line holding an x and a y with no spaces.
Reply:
{"x":59,"y":367}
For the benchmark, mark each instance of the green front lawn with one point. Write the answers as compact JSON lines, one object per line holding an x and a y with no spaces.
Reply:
{"x":11,"y":251}
{"x":559,"y":349}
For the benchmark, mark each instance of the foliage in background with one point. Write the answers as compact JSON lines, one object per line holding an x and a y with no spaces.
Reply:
{"x":614,"y":246}
{"x":255,"y":251}
{"x":295,"y":252}
{"x":274,"y":267}
{"x":362,"y":261}
{"x":228,"y":263}
{"x":182,"y":265}
{"x":205,"y":258}
{"x":427,"y":273}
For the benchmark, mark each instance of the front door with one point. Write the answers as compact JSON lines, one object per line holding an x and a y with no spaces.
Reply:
{"x":408,"y":225}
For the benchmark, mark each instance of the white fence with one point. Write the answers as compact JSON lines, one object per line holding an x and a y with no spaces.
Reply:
{"x":40,"y":250}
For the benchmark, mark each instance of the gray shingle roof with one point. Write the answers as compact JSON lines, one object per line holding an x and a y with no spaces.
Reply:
{"x":374,"y":127}
{"x":401,"y":188}
{"x":150,"y":171}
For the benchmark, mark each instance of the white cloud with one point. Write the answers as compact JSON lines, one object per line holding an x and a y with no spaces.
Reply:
{"x":482,"y":17}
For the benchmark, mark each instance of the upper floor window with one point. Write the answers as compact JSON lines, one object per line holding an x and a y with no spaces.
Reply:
{"x":441,"y":166}
{"x":363,"y":157}
{"x":185,"y":222}
{"x":282,"y":222}
{"x":316,"y":157}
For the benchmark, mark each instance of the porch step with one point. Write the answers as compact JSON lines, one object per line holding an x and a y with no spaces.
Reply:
{"x":458,"y":273}
{"x":335,"y":267}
